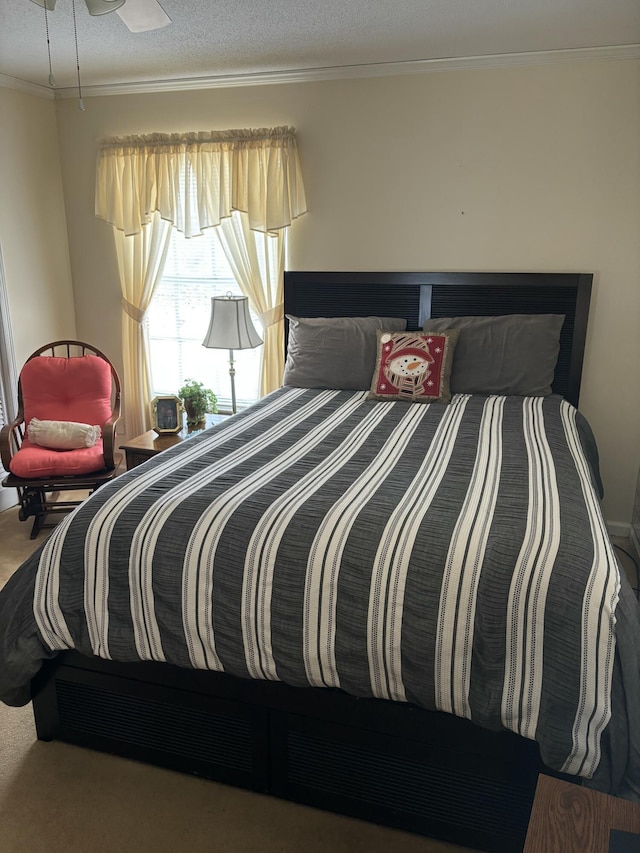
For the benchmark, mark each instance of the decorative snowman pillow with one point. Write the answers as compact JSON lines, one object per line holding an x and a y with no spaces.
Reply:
{"x":414,"y":366}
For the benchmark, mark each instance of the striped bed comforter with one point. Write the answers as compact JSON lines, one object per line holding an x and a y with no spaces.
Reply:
{"x":450,"y":556}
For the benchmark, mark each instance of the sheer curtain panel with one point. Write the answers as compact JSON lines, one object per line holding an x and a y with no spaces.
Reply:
{"x":141,"y":259}
{"x":257,"y":261}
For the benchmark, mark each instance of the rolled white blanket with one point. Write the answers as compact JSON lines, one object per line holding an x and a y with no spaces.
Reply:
{"x":62,"y":435}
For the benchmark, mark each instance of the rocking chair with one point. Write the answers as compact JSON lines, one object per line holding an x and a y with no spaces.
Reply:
{"x":62,"y":438}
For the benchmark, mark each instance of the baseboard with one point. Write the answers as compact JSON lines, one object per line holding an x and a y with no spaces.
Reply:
{"x":619,"y":528}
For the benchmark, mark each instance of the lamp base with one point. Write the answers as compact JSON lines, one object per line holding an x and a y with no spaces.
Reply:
{"x":232,"y":374}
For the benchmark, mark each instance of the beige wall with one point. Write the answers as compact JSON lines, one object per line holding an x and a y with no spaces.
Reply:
{"x":33,"y":230}
{"x":532,"y":168}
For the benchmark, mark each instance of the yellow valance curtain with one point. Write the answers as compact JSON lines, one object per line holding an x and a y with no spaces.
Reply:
{"x":194,"y":180}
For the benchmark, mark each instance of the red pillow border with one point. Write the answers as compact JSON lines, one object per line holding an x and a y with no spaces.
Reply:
{"x":413,"y":367}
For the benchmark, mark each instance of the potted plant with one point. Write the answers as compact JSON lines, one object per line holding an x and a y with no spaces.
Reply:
{"x":197,"y":401}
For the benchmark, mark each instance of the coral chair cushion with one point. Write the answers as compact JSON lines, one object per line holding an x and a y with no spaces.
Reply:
{"x":63,"y":389}
{"x":67,"y":389}
{"x":33,"y":461}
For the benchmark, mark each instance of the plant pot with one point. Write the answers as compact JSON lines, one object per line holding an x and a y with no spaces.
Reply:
{"x":194,"y":415}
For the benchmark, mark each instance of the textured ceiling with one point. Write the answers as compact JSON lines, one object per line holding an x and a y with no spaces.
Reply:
{"x":217,"y":38}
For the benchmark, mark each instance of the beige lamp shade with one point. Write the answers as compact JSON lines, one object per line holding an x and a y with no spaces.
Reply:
{"x":230,"y":326}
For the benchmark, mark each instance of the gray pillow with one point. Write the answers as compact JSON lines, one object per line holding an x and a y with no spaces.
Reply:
{"x":512,"y":354}
{"x":334,"y":352}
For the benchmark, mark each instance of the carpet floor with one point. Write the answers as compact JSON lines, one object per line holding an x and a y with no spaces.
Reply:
{"x":57,"y":798}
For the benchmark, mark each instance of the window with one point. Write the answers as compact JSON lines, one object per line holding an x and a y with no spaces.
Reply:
{"x":178,"y":319}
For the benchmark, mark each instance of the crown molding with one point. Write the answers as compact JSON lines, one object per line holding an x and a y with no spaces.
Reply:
{"x":7,"y":82}
{"x":341,"y":72}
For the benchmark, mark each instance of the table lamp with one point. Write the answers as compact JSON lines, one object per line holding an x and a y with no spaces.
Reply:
{"x":230,"y":327}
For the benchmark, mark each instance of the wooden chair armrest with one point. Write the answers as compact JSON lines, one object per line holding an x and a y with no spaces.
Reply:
{"x":109,"y":441}
{"x":7,"y":436}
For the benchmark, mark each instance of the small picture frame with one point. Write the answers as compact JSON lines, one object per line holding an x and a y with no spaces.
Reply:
{"x":166,"y":415}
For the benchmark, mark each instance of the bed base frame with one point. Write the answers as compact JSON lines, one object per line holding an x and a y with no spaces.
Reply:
{"x":381,"y":761}
{"x":385,"y":762}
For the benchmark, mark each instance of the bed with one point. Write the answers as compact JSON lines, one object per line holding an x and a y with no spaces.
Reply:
{"x":343,"y":642}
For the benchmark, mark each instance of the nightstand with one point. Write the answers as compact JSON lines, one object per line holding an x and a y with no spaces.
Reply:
{"x":573,"y":819}
{"x":144,"y":446}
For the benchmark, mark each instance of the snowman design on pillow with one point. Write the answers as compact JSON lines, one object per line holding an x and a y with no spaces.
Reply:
{"x":407,"y":365}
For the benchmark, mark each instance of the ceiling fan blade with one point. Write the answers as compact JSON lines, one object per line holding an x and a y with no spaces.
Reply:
{"x":143,"y":15}
{"x":103,"y":7}
{"x":50,"y":5}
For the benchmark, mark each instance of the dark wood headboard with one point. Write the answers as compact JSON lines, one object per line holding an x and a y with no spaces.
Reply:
{"x":416,"y":296}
